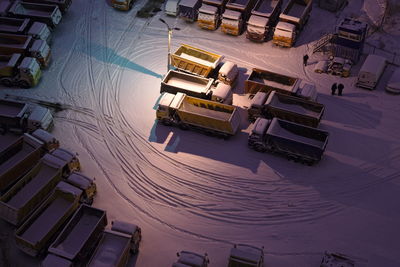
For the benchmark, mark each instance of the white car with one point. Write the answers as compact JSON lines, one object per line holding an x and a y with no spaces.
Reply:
{"x":321,"y":67}
{"x":393,"y":85}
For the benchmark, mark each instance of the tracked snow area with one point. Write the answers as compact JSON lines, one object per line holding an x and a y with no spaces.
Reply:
{"x":195,"y":192}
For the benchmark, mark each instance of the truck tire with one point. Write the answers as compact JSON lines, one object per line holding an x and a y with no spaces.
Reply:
{"x":6,"y":82}
{"x":130,"y":5}
{"x":166,"y":122}
{"x":183,"y":126}
{"x":259,"y":148}
{"x":24,"y":84}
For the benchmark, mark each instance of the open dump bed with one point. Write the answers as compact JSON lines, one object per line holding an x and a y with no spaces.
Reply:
{"x":265,"y":81}
{"x":209,"y":114}
{"x":34,"y":235}
{"x":295,"y":137}
{"x":80,"y":233}
{"x":264,"y":7}
{"x":195,"y":60}
{"x":193,"y":85}
{"x":13,"y":25}
{"x":18,"y":159}
{"x":112,"y":250}
{"x":294,"y":109}
{"x":12,"y":108}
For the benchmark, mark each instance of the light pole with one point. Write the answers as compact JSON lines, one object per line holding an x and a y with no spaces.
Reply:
{"x":169,"y":40}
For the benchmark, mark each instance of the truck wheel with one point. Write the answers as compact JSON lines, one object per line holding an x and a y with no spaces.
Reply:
{"x":259,"y":148}
{"x":6,"y":82}
{"x":166,"y":122}
{"x":130,"y":5}
{"x":183,"y":126}
{"x":24,"y":84}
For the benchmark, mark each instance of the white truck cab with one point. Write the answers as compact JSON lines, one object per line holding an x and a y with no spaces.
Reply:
{"x":172,"y":8}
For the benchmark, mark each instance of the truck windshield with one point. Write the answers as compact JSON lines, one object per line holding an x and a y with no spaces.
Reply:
{"x":45,"y":33}
{"x":44,"y":50}
{"x":34,"y":68}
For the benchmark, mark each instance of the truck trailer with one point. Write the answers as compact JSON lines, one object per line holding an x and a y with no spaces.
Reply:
{"x":294,"y":141}
{"x":38,"y":30}
{"x":16,"y":70}
{"x":196,"y":86}
{"x":261,"y":80}
{"x":194,"y":113}
{"x":291,"y":21}
{"x":195,"y":60}
{"x":63,"y":5}
{"x":49,"y":14}
{"x":20,"y":117}
{"x":287,"y":107}
{"x":80,"y":236}
{"x":35,"y":235}
{"x":27,"y":194}
{"x":235,"y":16}
{"x":264,"y":17}
{"x":210,"y":14}
{"x":188,"y":10}
{"x":26,"y":46}
{"x":115,"y":245}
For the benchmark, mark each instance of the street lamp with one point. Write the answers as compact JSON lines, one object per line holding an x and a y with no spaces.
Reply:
{"x":169,"y":40}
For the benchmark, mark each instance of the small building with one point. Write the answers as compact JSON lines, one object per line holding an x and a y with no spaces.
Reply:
{"x":332,"y":5}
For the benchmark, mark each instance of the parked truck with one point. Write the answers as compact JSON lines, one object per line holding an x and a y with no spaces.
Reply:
{"x":38,"y":30}
{"x":295,"y":141}
{"x":192,"y":259}
{"x":196,"y":86}
{"x":79,"y":237}
{"x":18,"y":158}
{"x":264,"y":17}
{"x":210,"y":14}
{"x":115,"y":245}
{"x":63,"y":5}
{"x":261,"y":80}
{"x":25,"y":45}
{"x":204,"y":115}
{"x":236,"y":14}
{"x":242,"y":255}
{"x":188,"y":10}
{"x":19,"y":117}
{"x":34,"y":236}
{"x":16,"y":70}
{"x":124,"y":5}
{"x":286,"y":107}
{"x":49,"y":14}
{"x":195,"y":60}
{"x":30,"y":190}
{"x":291,"y":22}
{"x":86,"y":184}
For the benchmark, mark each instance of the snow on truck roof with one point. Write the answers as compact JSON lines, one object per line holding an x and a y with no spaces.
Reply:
{"x":248,"y":253}
{"x":208,"y":9}
{"x":191,"y":259}
{"x":124,"y":227}
{"x":231,"y":14}
{"x":373,"y":63}
{"x":258,"y":21}
{"x":260,"y":125}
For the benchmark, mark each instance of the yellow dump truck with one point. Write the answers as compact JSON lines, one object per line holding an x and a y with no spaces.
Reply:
{"x":195,"y":60}
{"x":194,"y":113}
{"x":123,"y":5}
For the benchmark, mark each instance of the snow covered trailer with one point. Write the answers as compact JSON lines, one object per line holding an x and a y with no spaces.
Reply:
{"x":34,"y":236}
{"x":18,"y":159}
{"x":80,"y":235}
{"x":294,"y":109}
{"x":195,"y":60}
{"x":27,"y":194}
{"x":115,"y":245}
{"x":206,"y":116}
{"x":371,"y":71}
{"x":63,"y":5}
{"x":295,"y":141}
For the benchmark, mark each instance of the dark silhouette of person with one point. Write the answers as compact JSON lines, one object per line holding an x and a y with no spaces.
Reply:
{"x":340,"y":89}
{"x":305,"y":59}
{"x":333,"y":88}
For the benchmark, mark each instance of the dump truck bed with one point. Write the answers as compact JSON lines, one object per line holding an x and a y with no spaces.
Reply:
{"x":264,"y":80}
{"x":13,"y":25}
{"x":85,"y":226}
{"x":112,"y":250}
{"x":265,"y":7}
{"x":12,"y":108}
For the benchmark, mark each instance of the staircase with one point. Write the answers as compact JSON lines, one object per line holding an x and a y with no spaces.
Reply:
{"x":323,"y":42}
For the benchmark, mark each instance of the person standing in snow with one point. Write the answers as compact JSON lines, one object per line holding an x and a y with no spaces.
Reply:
{"x":333,"y":88}
{"x":305,"y":59}
{"x":340,"y":89}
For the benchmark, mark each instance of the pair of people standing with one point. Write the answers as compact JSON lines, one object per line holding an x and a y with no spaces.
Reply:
{"x":335,"y":87}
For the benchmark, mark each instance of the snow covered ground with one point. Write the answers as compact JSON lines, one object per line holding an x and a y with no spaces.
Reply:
{"x":195,"y":192}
